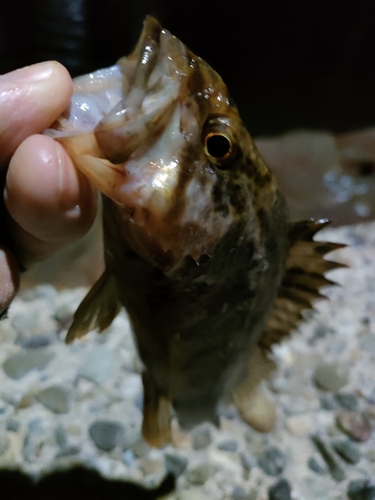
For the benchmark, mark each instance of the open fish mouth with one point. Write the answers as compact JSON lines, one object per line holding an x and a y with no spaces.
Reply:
{"x":135,"y":130}
{"x":151,"y":81}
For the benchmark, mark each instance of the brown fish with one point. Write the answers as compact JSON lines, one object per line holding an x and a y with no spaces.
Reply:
{"x":199,"y":247}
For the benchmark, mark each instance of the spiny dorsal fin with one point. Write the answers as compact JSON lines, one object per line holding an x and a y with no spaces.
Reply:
{"x":97,"y":310}
{"x":305,"y":267}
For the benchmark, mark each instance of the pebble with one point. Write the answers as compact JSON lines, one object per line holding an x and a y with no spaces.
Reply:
{"x":371,"y":455}
{"x":26,"y":401}
{"x":140,"y":447}
{"x":316,"y":466}
{"x":68,"y":451}
{"x":247,"y":460}
{"x":281,"y":490}
{"x":199,"y":471}
{"x":272,"y":461}
{"x":356,"y":425}
{"x":38,"y":439}
{"x":128,"y":457}
{"x":334,"y":466}
{"x":228,"y":411}
{"x":361,"y":489}
{"x":347,"y":450}
{"x":56,"y":398}
{"x":175,"y":462}
{"x":17,"y":365}
{"x":98,"y":364}
{"x":61,"y":436}
{"x":201,"y":436}
{"x":4,"y":441}
{"x":239,"y":493}
{"x":328,"y":402}
{"x":367,"y":342}
{"x":34,"y":342}
{"x":331,"y":376}
{"x":13,"y":425}
{"x":299,"y":425}
{"x":347,"y":400}
{"x":151,"y":463}
{"x":230,"y":445}
{"x":107,"y":434}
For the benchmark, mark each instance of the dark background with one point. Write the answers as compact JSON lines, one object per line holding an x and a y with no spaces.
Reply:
{"x":288,"y":64}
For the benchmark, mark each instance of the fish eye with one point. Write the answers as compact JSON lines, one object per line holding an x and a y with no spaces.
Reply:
{"x":218,"y":147}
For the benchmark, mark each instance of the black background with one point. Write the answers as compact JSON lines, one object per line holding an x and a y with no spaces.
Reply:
{"x":302,"y":63}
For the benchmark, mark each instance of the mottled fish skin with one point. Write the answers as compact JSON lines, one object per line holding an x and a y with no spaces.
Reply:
{"x":196,"y":233}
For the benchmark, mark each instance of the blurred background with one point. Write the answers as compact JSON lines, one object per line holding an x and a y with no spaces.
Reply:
{"x":288,"y":64}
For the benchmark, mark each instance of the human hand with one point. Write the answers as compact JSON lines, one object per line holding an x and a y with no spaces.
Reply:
{"x":45,"y":203}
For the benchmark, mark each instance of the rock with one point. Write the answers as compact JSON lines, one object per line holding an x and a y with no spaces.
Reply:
{"x":128,"y":458}
{"x":140,"y":448}
{"x":356,"y":425}
{"x":39,"y":440}
{"x":61,"y":436}
{"x":230,"y":445}
{"x":55,"y":398}
{"x":228,"y":411}
{"x":17,"y":365}
{"x":68,"y":451}
{"x":98,"y":364}
{"x":315,"y":466}
{"x":299,"y":425}
{"x":4,"y":441}
{"x":281,"y":490}
{"x":25,"y":402}
{"x":331,"y":376}
{"x":239,"y":493}
{"x":347,"y":400}
{"x":328,"y":402}
{"x":107,"y":434}
{"x":201,"y":436}
{"x":361,"y":489}
{"x":347,"y":450}
{"x":247,"y":460}
{"x":35,"y":341}
{"x":152,"y":463}
{"x":175,"y":462}
{"x":334,"y":466}
{"x":371,"y":455}
{"x":199,"y":471}
{"x":367,"y":342}
{"x":272,"y":461}
{"x":13,"y":425}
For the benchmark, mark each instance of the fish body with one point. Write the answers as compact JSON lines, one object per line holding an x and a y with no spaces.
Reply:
{"x":199,"y":247}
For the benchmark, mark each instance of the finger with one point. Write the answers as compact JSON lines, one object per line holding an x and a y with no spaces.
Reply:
{"x":9,"y":278}
{"x":50,"y":202}
{"x":31,"y":98}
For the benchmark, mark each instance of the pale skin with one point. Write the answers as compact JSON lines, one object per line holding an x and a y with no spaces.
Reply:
{"x":47,"y":203}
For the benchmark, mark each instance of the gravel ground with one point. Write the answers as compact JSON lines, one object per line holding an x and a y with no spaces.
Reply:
{"x":81,"y":404}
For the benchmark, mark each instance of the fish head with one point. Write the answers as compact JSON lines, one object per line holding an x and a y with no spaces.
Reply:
{"x":174,"y":155}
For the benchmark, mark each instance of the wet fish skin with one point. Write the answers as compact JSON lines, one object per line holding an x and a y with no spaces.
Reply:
{"x":196,"y":233}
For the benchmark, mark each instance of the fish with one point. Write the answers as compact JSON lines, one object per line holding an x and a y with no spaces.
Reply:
{"x":198,"y":244}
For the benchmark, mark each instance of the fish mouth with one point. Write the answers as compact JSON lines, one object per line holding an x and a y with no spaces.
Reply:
{"x":145,"y":154}
{"x":151,"y":75}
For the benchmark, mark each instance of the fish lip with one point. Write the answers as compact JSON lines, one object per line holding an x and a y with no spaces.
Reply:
{"x":152,"y":30}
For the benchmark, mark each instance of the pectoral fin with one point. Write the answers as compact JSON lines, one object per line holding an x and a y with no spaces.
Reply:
{"x":97,"y":310}
{"x":304,"y":275}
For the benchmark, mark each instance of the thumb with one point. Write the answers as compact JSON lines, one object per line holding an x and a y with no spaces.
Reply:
{"x":31,"y":98}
